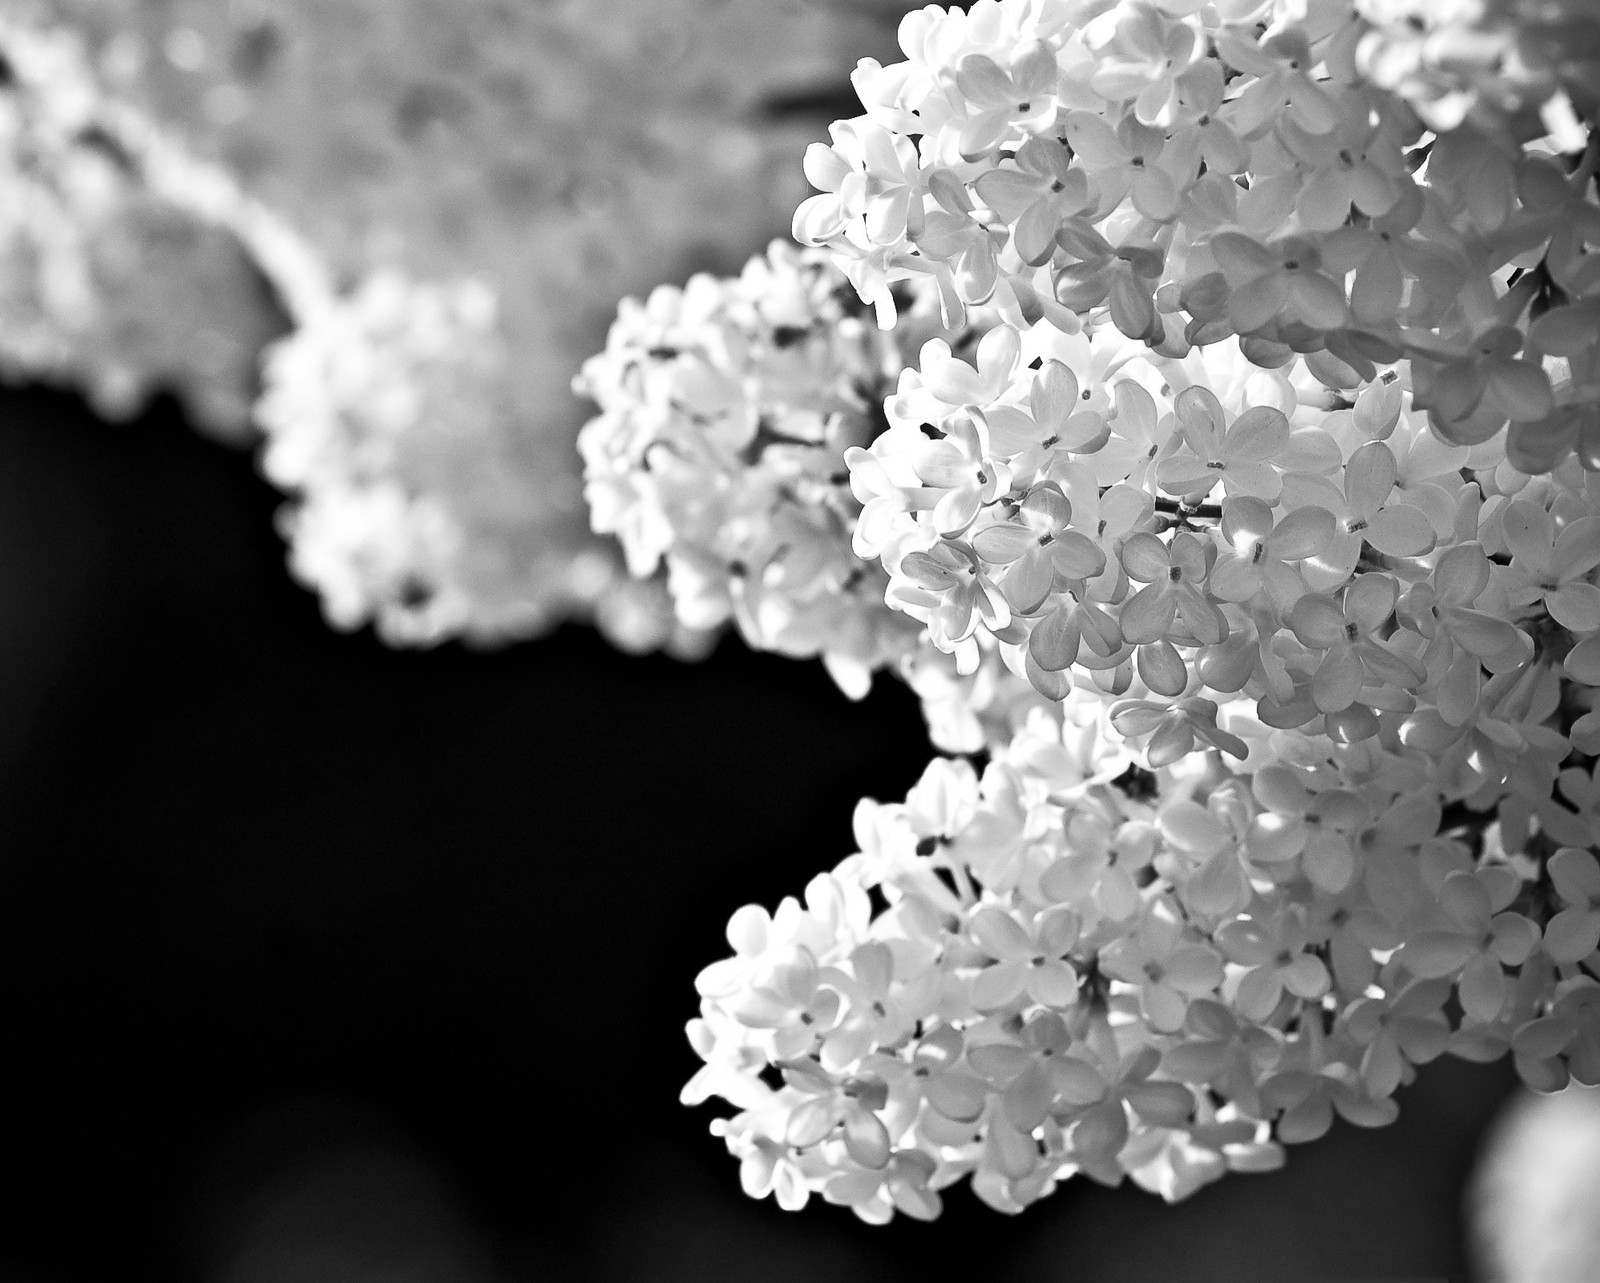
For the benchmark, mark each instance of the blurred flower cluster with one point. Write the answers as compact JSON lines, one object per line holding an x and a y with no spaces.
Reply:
{"x":107,"y":283}
{"x":1500,"y":62}
{"x":174,"y":166}
{"x":420,"y":505}
{"x":1265,"y":467}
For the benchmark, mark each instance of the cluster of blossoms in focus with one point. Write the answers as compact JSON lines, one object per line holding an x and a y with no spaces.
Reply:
{"x":1256,"y":450}
{"x":1191,"y":172}
{"x":1305,"y":807}
{"x":727,"y":408}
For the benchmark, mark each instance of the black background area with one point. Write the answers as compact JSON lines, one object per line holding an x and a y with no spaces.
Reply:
{"x":325,"y":962}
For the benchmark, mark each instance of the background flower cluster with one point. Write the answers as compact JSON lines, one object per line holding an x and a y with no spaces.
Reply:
{"x":191,"y":181}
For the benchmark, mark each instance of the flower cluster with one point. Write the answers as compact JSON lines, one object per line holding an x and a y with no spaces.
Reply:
{"x":1188,"y":172}
{"x":1142,"y":527}
{"x":184,"y":180}
{"x":718,"y":461}
{"x":106,"y":281}
{"x":366,"y":408}
{"x":1272,"y":484}
{"x":718,"y":455}
{"x":1086,"y":967}
{"x":1499,"y":62}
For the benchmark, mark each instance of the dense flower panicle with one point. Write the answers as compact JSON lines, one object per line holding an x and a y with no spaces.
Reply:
{"x":717,"y":460}
{"x":728,"y":410}
{"x":1084,"y":967}
{"x":1185,"y":173}
{"x":1260,"y":527}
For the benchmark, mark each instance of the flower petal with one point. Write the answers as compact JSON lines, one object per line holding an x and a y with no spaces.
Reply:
{"x":1256,"y":435}
{"x":1575,"y":606}
{"x":1400,"y":531}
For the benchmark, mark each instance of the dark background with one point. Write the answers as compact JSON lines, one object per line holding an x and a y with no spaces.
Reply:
{"x":321,"y":963}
